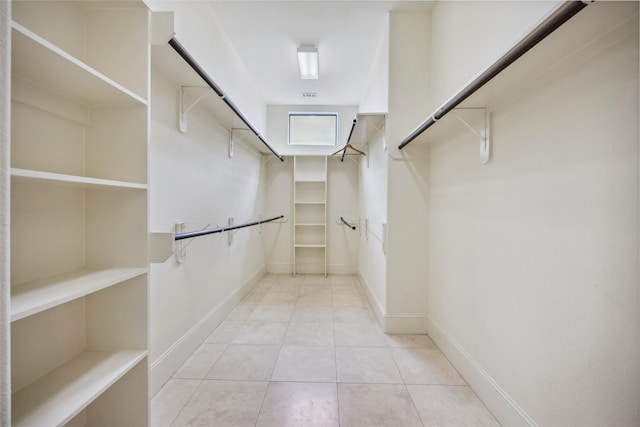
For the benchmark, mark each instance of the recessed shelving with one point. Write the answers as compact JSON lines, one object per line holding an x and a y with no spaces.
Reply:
{"x":64,"y":73}
{"x":64,"y":392}
{"x":33,"y":297}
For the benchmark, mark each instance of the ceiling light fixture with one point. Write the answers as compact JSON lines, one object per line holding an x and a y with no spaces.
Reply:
{"x":308,"y":62}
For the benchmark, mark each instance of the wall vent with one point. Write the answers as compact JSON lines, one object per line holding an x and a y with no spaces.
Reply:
{"x":309,"y":94}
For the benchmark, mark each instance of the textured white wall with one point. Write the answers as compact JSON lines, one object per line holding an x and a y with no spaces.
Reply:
{"x":5,"y":155}
{"x":533,"y":258}
{"x":192,"y":180}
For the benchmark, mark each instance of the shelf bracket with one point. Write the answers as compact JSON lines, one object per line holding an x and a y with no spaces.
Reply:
{"x":477,"y":120}
{"x":180,"y":250}
{"x":231,"y":143}
{"x":230,"y":232}
{"x":189,"y":98}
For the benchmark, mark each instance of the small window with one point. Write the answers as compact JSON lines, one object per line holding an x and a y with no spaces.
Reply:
{"x":313,"y":128}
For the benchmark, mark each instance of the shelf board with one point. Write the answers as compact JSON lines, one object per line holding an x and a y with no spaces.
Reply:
{"x":302,"y":181}
{"x":309,"y":203}
{"x":72,"y":180}
{"x":310,"y":246}
{"x":39,"y":295}
{"x":39,"y":61}
{"x":590,"y":32}
{"x":310,"y":224}
{"x":64,"y":392}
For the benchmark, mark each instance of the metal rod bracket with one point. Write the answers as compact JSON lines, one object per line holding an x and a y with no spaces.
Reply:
{"x":180,"y":250}
{"x":477,"y":120}
{"x":189,"y":98}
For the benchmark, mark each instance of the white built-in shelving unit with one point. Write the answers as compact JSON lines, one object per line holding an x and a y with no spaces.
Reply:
{"x":310,"y":215}
{"x":79,"y":294}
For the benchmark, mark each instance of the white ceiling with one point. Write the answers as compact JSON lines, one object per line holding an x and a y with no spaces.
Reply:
{"x":267,"y":33}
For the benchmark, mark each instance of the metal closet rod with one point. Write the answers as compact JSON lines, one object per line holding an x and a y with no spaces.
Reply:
{"x":546,"y":27}
{"x":175,"y":44}
{"x":192,"y":234}
{"x":353,"y":227}
{"x":353,"y":126}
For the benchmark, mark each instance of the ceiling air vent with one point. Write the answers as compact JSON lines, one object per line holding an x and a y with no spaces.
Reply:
{"x":309,"y":94}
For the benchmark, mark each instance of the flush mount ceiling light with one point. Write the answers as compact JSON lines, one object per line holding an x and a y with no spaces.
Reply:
{"x":308,"y":62}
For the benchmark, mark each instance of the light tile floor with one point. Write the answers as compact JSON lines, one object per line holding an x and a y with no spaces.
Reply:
{"x":306,"y":351}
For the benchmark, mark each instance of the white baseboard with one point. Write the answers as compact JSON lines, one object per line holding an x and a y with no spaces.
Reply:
{"x":503,"y":407}
{"x":171,"y":360}
{"x":393,"y":323}
{"x":373,"y":301}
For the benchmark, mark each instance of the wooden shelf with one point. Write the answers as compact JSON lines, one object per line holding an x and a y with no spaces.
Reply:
{"x":39,"y":61}
{"x":39,"y":295}
{"x":72,"y":180}
{"x":61,"y":394}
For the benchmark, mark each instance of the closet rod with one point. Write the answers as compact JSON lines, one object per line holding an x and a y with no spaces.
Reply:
{"x":175,"y":44}
{"x":192,"y":234}
{"x":353,"y":126}
{"x":546,"y":27}
{"x":353,"y":227}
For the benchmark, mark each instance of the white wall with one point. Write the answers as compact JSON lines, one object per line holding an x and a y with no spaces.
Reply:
{"x":375,"y":98}
{"x":372,"y":192}
{"x":198,"y":30}
{"x":5,"y":114}
{"x":407,"y":193}
{"x":278,"y":240}
{"x":192,"y":180}
{"x":278,"y":128}
{"x":533,"y":258}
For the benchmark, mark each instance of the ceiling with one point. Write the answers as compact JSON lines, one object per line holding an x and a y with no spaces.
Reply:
{"x":347,"y":34}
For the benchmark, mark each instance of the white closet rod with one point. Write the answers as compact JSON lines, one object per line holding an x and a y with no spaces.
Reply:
{"x":546,"y":27}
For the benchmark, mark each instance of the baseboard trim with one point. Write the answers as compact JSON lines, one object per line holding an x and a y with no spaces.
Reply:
{"x":373,"y":301}
{"x":495,"y":398}
{"x":174,"y":357}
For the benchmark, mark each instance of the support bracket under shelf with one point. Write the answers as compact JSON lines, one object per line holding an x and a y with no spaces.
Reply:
{"x":477,"y":120}
{"x":189,"y":98}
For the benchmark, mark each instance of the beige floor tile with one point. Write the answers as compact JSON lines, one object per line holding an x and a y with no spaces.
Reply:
{"x":268,"y":333}
{"x":169,"y":401}
{"x":409,"y":341}
{"x":353,"y":315}
{"x":310,"y":289}
{"x":200,"y":362}
{"x":245,"y":362}
{"x":223,"y":403}
{"x":309,"y":333}
{"x":263,"y":286}
{"x":318,"y":299}
{"x":300,"y":405}
{"x":349,"y":300}
{"x":426,"y":366}
{"x":241,"y":312}
{"x":450,"y":406}
{"x":366,"y":365}
{"x":286,"y":287}
{"x":278,"y":298}
{"x":344,"y":280}
{"x":359,"y":335}
{"x":345,"y":289}
{"x":272,"y":313}
{"x":310,"y":364}
{"x":317,"y":279}
{"x":308,"y":313}
{"x":253,"y":298}
{"x":225,"y":332}
{"x":368,"y":405}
